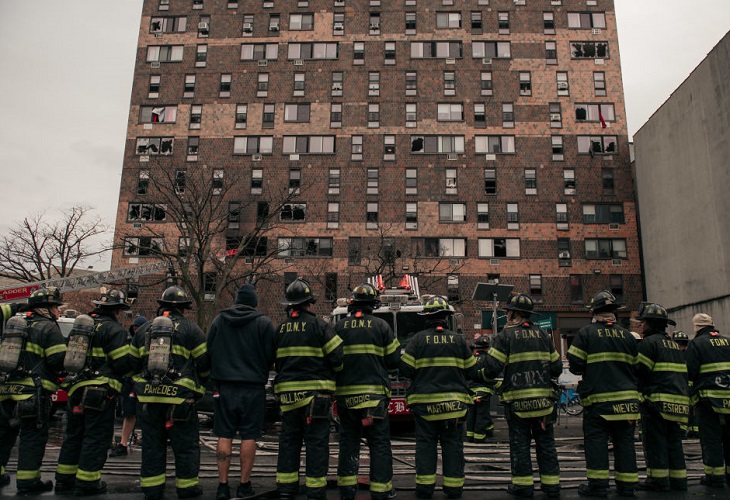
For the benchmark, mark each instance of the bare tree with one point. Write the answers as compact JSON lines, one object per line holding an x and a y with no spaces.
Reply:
{"x":36,"y":249}
{"x":211,"y":246}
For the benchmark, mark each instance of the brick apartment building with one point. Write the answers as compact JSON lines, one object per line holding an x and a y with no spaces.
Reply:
{"x":463,"y":141}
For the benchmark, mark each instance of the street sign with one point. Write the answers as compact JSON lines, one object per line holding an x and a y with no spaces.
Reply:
{"x":19,"y":292}
{"x":545,"y":323}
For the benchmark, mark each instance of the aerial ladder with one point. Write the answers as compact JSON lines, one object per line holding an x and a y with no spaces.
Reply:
{"x":82,"y":282}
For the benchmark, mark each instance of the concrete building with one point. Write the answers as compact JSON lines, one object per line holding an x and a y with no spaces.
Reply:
{"x":462,"y":142}
{"x":682,"y":181}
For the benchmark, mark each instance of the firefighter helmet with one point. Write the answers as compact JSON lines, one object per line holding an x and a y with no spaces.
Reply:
{"x":521,"y":302}
{"x":654,"y":311}
{"x":365,"y":293}
{"x":298,"y":292}
{"x":680,"y":336}
{"x":176,"y":297}
{"x":603,"y":301}
{"x":45,"y":297}
{"x":482,"y":342}
{"x":112,"y":298}
{"x":436,"y":307}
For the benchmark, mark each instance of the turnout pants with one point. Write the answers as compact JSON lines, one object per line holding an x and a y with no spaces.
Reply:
{"x":596,"y":431}
{"x":377,"y":435}
{"x":298,"y":428}
{"x":157,"y":425}
{"x":715,"y":442}
{"x":33,"y":437}
{"x":479,"y":420}
{"x":450,"y":433}
{"x":84,"y":450}
{"x":521,"y":433}
{"x":663,"y":449}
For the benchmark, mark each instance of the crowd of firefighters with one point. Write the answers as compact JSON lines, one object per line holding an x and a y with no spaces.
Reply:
{"x":659,"y":381}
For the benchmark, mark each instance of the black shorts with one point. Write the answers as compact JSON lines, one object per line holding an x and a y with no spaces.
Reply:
{"x":239,"y":409}
{"x":129,"y":404}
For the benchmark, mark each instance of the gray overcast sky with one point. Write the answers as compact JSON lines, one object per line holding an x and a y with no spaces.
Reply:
{"x":66,"y":77}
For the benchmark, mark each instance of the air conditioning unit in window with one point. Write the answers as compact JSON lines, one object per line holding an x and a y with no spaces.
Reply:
{"x":596,"y":31}
{"x":249,"y":260}
{"x":375,"y":27}
{"x":298,"y":62}
{"x":247,"y":27}
{"x":256,"y":157}
{"x":450,"y":182}
{"x":564,"y":254}
{"x":137,"y":225}
{"x":554,"y":117}
{"x":493,"y":262}
{"x":613,"y":227}
{"x":155,"y":64}
{"x":616,"y":262}
{"x":562,"y":85}
{"x":273,"y":27}
{"x":452,"y":156}
{"x":337,"y":86}
{"x":263,"y":62}
{"x":450,"y":61}
{"x":454,"y":262}
{"x":487,"y":60}
{"x":202,"y":26}
{"x":158,"y":35}
{"x":374,"y":86}
{"x":339,"y":26}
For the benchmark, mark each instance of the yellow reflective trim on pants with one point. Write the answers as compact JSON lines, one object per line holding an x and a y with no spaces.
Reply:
{"x":67,"y":469}
{"x":477,"y":436}
{"x":426,"y":479}
{"x":2,"y":469}
{"x":24,"y":475}
{"x":596,"y":474}
{"x":316,"y":482}
{"x":522,"y":480}
{"x":657,"y":473}
{"x":712,"y":471}
{"x":346,"y":480}
{"x":287,"y":477}
{"x":453,"y":482}
{"x":626,"y":477}
{"x":680,"y":473}
{"x":86,"y":475}
{"x":183,"y":483}
{"x":148,"y":482}
{"x":549,"y":480}
{"x":380,"y":487}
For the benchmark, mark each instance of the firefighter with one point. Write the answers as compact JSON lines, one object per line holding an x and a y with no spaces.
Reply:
{"x":479,"y":424}
{"x":438,"y":362}
{"x":96,"y":360}
{"x":28,"y":380}
{"x":308,"y":354}
{"x":171,"y":365}
{"x":662,"y":372}
{"x":605,"y":354}
{"x":527,"y":355}
{"x":708,"y":365}
{"x":363,"y":392}
{"x":690,"y":430}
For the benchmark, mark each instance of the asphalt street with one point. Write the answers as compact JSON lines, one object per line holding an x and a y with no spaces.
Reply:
{"x":487,"y":466}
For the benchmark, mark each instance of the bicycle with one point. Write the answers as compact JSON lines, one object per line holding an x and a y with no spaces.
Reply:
{"x":569,"y":401}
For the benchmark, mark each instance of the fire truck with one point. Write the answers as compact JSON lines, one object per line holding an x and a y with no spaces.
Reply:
{"x":400,"y":307}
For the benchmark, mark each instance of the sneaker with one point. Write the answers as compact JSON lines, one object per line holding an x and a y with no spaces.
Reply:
{"x":192,"y":492}
{"x":97,"y":488}
{"x":119,"y":451}
{"x":223,"y":492}
{"x":586,"y":490}
{"x":64,"y":487}
{"x":38,"y":486}
{"x":244,"y":490}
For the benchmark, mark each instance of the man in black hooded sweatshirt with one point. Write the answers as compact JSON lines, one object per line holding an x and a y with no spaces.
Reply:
{"x":241,"y":344}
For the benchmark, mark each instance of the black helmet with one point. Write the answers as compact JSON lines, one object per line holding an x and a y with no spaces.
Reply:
{"x":521,"y":302}
{"x":176,"y":297}
{"x":45,"y":297}
{"x":365,"y":293}
{"x":603,"y":301}
{"x":112,"y":298}
{"x":436,"y":307}
{"x":680,"y":336}
{"x":650,"y":310}
{"x":298,"y":292}
{"x":482,"y":342}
